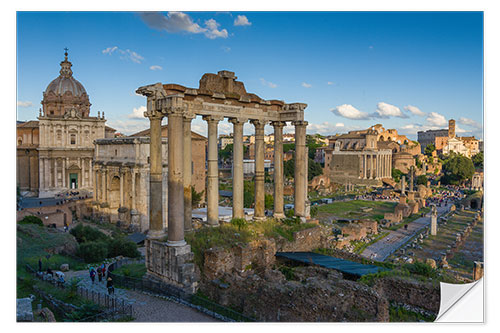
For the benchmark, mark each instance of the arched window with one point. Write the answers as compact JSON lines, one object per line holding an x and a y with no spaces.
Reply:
{"x":73,"y":139}
{"x":19,"y":141}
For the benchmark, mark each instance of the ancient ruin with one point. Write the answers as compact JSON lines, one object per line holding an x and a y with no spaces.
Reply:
{"x":219,"y":96}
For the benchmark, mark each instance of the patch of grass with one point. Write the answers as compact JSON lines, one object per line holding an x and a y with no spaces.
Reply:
{"x":288,"y":272}
{"x":400,"y":314}
{"x":352,"y":209}
{"x":131,"y":270}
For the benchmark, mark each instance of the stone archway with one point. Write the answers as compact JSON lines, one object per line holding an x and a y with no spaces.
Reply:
{"x":73,"y":177}
{"x":114,"y":193}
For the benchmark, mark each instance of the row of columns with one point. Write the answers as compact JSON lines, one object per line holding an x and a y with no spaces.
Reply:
{"x":101,"y":185}
{"x":375,"y":166}
{"x":180,"y":169}
{"x":49,"y":170}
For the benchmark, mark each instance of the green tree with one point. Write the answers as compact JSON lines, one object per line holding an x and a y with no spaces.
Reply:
{"x":478,"y":160}
{"x":289,"y":168}
{"x":30,"y":219}
{"x":196,"y":197}
{"x":314,"y":169}
{"x":248,"y":194}
{"x":422,"y":180}
{"x":226,"y":153}
{"x":269,"y":201}
{"x":457,"y":169}
{"x":396,"y":174}
{"x":429,"y":149}
{"x":288,"y":146}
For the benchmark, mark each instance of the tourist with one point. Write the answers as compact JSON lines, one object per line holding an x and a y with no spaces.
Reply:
{"x":92,"y":274}
{"x":99,"y":273}
{"x":103,"y":266}
{"x":109,"y":285}
{"x":39,"y":264}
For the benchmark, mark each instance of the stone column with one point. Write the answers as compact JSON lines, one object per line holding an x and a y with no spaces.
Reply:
{"x":175,"y":177}
{"x":104,"y":192}
{"x":155,"y":175}
{"x":132,"y":172}
{"x":213,"y":171}
{"x":278,"y":169}
{"x":371,"y":166}
{"x":83,"y":183}
{"x":259,"y":169}
{"x":365,"y":164}
{"x":300,"y":168}
{"x":41,"y":174}
{"x":91,"y":173}
{"x":433,"y":221}
{"x":95,"y":194}
{"x":188,"y":171}
{"x":238,"y":123}
{"x":49,"y":170}
{"x":403,"y":185}
{"x":63,"y":172}
{"x":121,"y":187}
{"x":360,"y":171}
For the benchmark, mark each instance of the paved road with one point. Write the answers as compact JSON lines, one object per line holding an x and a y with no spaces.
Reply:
{"x":382,"y":249}
{"x":146,"y":308}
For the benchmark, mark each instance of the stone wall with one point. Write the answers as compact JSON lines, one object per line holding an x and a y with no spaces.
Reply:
{"x":315,"y":294}
{"x":423,"y":295}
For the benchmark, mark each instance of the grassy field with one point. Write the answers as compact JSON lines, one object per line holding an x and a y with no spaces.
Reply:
{"x":132,"y":270}
{"x":353,"y":209}
{"x":472,"y":250}
{"x":35,"y":242}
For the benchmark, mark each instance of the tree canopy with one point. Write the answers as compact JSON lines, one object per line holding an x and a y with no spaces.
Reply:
{"x":314,"y":169}
{"x":429,"y":149}
{"x":456,"y":169}
{"x":478,"y":160}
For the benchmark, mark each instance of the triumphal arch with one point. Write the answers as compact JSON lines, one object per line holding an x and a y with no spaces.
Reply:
{"x":219,"y":96}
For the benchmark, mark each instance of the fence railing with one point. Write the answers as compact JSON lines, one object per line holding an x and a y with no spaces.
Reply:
{"x":115,"y":305}
{"x":164,"y":289}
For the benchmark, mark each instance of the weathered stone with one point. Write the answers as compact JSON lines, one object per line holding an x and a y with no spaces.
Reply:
{"x":24,"y":310}
{"x":431,"y":262}
{"x":64,"y":267}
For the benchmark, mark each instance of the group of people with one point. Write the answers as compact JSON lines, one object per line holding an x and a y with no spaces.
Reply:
{"x":101,"y":273}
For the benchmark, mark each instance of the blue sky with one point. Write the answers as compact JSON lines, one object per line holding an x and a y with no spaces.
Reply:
{"x":407,"y":70}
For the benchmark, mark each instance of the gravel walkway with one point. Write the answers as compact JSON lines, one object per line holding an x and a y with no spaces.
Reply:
{"x":146,"y":308}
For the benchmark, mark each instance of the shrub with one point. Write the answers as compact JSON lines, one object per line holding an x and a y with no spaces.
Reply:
{"x":421,"y":268}
{"x":239,"y":222}
{"x":93,"y":252}
{"x":124,"y":247}
{"x":314,"y":211}
{"x":88,"y":234}
{"x":31,"y":220}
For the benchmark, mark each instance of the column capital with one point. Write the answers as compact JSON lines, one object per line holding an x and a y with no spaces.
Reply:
{"x":153,"y":115}
{"x":238,"y":120}
{"x":187,"y":116}
{"x":299,"y":123}
{"x":258,"y":123}
{"x":213,"y":118}
{"x":278,"y":123}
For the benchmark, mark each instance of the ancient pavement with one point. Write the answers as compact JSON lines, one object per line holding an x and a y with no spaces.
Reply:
{"x":382,"y":249}
{"x":146,"y":308}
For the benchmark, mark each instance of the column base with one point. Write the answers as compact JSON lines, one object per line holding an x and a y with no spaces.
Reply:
{"x":279,"y":216}
{"x":176,"y":243}
{"x":259,"y":218}
{"x":172,"y":265}
{"x":156,"y":234}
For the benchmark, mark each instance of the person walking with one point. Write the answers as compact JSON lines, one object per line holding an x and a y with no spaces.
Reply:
{"x":99,"y":273}
{"x":109,"y":285}
{"x":92,"y":274}
{"x":104,"y":270}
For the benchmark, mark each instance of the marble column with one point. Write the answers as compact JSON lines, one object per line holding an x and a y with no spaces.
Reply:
{"x":63,"y":172}
{"x":188,"y":171}
{"x":360,"y":171}
{"x":365,"y":164}
{"x":278,"y":169}
{"x":49,"y":171}
{"x":121,"y":187}
{"x":238,"y":187}
{"x":155,"y":175}
{"x":213,"y":171}
{"x":259,"y":170}
{"x":175,"y":178}
{"x":300,"y":168}
{"x":95,"y":194}
{"x":91,"y":173}
{"x":132,"y":173}
{"x":84,"y":183}
{"x":104,"y":177}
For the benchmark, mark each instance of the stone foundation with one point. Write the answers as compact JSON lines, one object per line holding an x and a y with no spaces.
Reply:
{"x":171,"y":264}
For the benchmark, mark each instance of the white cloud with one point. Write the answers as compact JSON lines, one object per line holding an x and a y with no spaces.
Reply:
{"x":124,"y":54}
{"x":306,"y":85}
{"x":414,"y":110}
{"x":469,"y":122}
{"x":267,"y":83}
{"x":350,"y":112}
{"x":436,"y":119}
{"x":326,"y":128}
{"x":241,"y":20}
{"x":330,"y":83}
{"x":138,"y":113}
{"x":156,"y":68}
{"x":339,"y":125}
{"x":385,"y":110}
{"x":226,"y":48}
{"x":24,"y":104}
{"x":110,"y":50}
{"x":175,"y":22}
{"x":128,"y":127}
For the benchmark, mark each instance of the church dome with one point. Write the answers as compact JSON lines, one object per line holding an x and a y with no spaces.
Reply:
{"x":65,"y":81}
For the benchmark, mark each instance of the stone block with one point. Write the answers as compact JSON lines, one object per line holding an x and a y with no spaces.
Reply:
{"x":64,"y":268}
{"x":24,"y":311}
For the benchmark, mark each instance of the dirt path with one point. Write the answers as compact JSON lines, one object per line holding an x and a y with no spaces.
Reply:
{"x":146,"y":308}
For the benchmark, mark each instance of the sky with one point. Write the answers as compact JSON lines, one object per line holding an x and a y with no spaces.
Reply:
{"x":406,"y":70}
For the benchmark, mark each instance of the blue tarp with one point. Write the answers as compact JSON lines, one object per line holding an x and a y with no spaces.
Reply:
{"x":342,"y":265}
